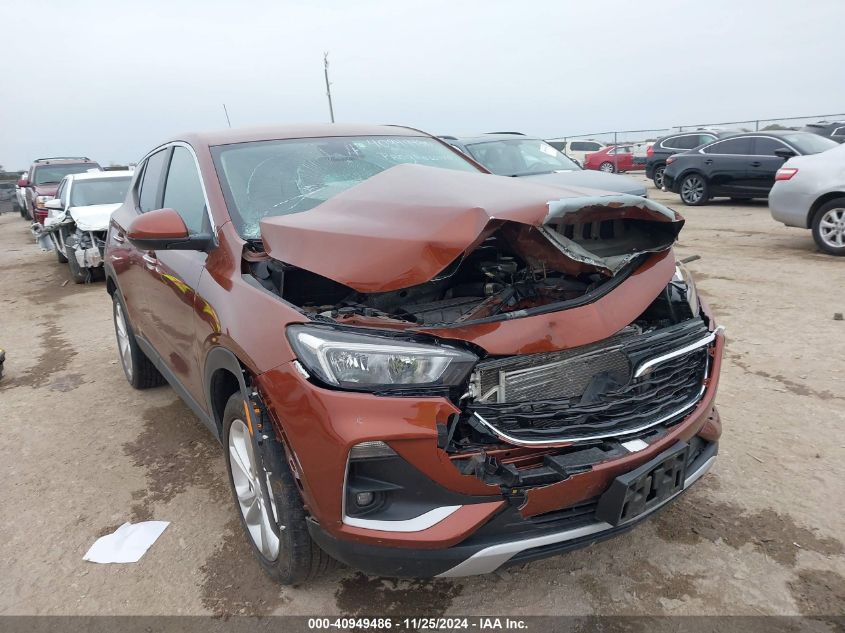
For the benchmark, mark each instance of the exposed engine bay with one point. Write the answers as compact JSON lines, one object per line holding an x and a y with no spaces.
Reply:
{"x":490,"y":281}
{"x":514,"y":268}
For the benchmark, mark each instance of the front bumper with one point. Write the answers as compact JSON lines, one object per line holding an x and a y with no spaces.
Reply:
{"x":483,"y":522}
{"x":482,"y":554}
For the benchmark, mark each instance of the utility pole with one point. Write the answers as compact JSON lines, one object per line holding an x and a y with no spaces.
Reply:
{"x":328,"y":84}
{"x":226,"y":112}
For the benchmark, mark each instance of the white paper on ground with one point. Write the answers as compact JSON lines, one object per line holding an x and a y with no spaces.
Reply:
{"x":127,"y":543}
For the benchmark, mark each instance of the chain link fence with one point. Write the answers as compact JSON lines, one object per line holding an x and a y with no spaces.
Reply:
{"x":638,"y":141}
{"x":759,"y":125}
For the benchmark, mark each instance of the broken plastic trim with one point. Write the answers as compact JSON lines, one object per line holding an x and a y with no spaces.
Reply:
{"x":645,"y":227}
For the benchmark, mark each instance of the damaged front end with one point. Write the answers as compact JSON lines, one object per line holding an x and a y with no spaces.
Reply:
{"x":569,"y":344}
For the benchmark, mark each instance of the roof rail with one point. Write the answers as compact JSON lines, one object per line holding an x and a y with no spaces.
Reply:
{"x":448,"y":138}
{"x":514,"y":133}
{"x":62,"y":158}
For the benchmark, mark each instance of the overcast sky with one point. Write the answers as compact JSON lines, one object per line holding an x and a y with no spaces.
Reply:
{"x":110,"y":80}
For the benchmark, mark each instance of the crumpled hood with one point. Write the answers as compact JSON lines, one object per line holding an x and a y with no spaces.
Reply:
{"x":407,"y":224}
{"x":591,"y":179}
{"x":94,"y":217}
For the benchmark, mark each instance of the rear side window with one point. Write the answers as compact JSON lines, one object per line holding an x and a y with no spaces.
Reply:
{"x":584,"y":146}
{"x":183,"y":190}
{"x":686,"y":141}
{"x":148,"y":197}
{"x":767,"y":146}
{"x":735,"y":146}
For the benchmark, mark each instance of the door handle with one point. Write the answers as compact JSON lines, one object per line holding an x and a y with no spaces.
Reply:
{"x":709,"y":161}
{"x":151,"y":260}
{"x":118,"y":237}
{"x":756,"y":163}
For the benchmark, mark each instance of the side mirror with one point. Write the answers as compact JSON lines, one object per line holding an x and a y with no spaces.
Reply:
{"x":23,"y":182}
{"x":784,"y":153}
{"x":164,"y":229}
{"x":55,"y":204}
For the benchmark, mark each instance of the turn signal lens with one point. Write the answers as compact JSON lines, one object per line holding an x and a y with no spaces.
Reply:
{"x":785,"y":173}
{"x":670,"y":160}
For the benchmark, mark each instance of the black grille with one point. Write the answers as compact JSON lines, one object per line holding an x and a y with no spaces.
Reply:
{"x":610,"y":406}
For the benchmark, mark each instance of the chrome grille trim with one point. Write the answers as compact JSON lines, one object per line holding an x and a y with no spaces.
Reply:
{"x":642,"y":369}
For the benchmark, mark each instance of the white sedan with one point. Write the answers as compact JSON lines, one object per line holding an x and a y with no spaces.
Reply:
{"x":809,"y":193}
{"x":79,"y":217}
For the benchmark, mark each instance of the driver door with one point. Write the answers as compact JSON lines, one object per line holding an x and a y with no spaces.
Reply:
{"x":172,"y":276}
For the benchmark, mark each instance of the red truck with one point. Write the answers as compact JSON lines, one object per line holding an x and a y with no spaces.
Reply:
{"x":43,"y":178}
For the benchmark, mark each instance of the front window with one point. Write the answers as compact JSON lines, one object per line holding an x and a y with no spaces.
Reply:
{"x":520,"y":157}
{"x":267,"y":178}
{"x":53,"y":174}
{"x":92,"y":191}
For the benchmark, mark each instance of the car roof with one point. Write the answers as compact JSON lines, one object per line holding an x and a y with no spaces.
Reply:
{"x":761,"y":133}
{"x":283,"y":132}
{"x":489,"y":138}
{"x":90,"y":175}
{"x":62,"y":161}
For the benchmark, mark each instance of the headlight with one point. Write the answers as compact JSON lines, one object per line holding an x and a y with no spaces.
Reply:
{"x":682,"y":274}
{"x":41,"y":200}
{"x":359,"y":361}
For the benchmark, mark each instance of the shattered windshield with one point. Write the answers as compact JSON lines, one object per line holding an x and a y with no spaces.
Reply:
{"x":520,"y":157}
{"x":85,"y":193}
{"x":267,"y":178}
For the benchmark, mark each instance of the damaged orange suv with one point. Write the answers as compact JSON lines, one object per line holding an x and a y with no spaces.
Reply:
{"x":414,"y":367}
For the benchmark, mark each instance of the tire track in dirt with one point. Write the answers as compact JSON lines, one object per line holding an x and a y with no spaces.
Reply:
{"x":692,"y":520}
{"x":177,"y":452}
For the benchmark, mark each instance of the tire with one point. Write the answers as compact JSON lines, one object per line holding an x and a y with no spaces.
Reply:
{"x":77,"y":273}
{"x":829,"y":227}
{"x":62,"y":257}
{"x":658,"y":176}
{"x":292,"y":557}
{"x":138,"y":369}
{"x":24,"y":214}
{"x":607,"y":167}
{"x":694,"y":190}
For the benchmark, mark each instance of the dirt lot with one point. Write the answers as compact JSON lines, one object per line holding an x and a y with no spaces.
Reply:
{"x":81,"y":452}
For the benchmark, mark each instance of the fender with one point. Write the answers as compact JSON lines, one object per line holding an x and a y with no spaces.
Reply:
{"x":222,"y":358}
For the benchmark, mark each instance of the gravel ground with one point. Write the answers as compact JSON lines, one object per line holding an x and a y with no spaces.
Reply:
{"x":81,"y":452}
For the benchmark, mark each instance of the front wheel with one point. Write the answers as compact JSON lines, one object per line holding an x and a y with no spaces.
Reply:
{"x":694,"y":190}
{"x":829,"y":227}
{"x":607,"y":167}
{"x":77,"y":273}
{"x":287,"y":554}
{"x":57,"y":244}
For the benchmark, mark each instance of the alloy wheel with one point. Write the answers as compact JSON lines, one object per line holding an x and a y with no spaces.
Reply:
{"x":123,"y":345}
{"x":658,"y":177}
{"x":244,"y":467}
{"x":606,"y":167}
{"x":692,"y":190}
{"x":832,"y":228}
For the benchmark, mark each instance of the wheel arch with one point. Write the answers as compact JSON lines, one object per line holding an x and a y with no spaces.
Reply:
{"x":111,"y":286}
{"x":224,"y":375}
{"x":821,"y":200}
